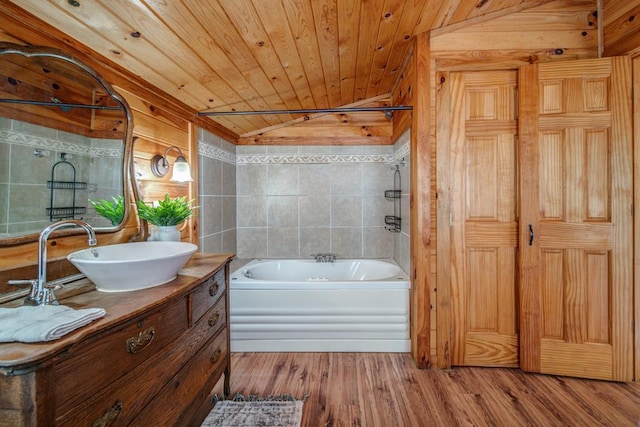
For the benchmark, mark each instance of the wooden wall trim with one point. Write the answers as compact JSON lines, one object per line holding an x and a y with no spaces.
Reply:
{"x":420,"y":204}
{"x":194,"y":222}
{"x":636,"y":217}
{"x":528,"y":136}
{"x":443,"y":241}
{"x":488,"y":17}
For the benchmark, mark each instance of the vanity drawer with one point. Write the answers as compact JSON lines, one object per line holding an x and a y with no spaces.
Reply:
{"x":206,"y":295}
{"x":196,"y":380}
{"x":127,"y":396}
{"x":215,"y":318}
{"x":102,"y":361}
{"x":195,"y":357}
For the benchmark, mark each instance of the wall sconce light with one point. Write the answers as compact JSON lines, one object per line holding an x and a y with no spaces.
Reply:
{"x":181,"y":168}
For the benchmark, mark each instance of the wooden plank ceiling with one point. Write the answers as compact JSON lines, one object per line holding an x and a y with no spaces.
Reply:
{"x":248,"y":55}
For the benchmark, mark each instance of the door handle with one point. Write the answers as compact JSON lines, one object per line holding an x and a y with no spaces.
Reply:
{"x":531,"y":235}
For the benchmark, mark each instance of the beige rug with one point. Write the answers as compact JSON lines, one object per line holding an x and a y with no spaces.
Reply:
{"x":281,"y":411}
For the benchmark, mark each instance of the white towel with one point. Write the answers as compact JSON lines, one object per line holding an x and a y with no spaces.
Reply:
{"x":43,"y":323}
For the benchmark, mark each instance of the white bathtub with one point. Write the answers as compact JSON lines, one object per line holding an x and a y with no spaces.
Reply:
{"x":302,"y":305}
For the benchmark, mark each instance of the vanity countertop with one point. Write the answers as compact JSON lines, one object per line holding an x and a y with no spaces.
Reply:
{"x":15,"y":357}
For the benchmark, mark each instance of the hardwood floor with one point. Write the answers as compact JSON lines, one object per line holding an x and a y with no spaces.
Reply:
{"x":386,"y":389}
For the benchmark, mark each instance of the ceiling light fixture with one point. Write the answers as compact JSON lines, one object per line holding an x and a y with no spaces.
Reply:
{"x":181,"y":168}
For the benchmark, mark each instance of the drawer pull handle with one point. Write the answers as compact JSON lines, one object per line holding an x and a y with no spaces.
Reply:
{"x":213,"y":320}
{"x":139,"y":343}
{"x":110,"y":416}
{"x":216,"y":355}
{"x":213,"y":289}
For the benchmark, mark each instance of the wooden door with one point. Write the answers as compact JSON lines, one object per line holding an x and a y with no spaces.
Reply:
{"x":576,"y":219}
{"x":482,"y":152}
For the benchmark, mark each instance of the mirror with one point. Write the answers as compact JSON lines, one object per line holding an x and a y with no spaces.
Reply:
{"x":65,"y":140}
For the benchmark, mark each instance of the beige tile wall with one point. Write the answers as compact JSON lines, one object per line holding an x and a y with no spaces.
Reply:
{"x":289,"y":206}
{"x":217,"y":193}
{"x":277,"y":202}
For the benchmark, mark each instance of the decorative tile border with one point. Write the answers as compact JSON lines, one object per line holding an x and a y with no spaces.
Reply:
{"x":313,"y":158}
{"x":213,"y":152}
{"x":216,"y":153}
{"x":402,"y":151}
{"x":12,"y":137}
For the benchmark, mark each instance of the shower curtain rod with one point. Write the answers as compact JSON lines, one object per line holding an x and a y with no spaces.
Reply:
{"x":386,"y":110}
{"x":57,"y":104}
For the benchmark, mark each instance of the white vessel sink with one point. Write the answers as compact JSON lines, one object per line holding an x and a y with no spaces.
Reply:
{"x":132,"y":266}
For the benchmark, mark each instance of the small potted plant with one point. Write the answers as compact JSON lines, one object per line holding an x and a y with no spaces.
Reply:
{"x":166,"y":216}
{"x":111,"y":210}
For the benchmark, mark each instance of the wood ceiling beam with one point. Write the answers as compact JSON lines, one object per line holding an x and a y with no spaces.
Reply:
{"x":488,"y":17}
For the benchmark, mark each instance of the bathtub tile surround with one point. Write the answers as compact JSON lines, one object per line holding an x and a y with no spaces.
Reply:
{"x":298,"y":200}
{"x":292,"y":201}
{"x":217,"y":192}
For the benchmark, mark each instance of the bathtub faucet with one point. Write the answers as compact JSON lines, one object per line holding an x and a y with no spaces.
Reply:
{"x":325,"y":257}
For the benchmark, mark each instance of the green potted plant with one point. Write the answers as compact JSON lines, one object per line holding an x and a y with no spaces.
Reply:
{"x":166,"y":216}
{"x":111,"y":210}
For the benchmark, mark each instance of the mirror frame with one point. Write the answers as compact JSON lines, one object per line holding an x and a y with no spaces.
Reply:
{"x":43,"y":51}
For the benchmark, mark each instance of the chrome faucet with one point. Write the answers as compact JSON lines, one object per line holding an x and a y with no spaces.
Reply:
{"x":325,"y":257}
{"x":42,"y":293}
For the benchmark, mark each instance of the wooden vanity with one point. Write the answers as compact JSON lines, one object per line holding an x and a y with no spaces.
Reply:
{"x":152,"y":360}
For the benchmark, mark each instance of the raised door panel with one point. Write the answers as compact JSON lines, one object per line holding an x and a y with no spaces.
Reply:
{"x":576,"y":219}
{"x":482,"y":155}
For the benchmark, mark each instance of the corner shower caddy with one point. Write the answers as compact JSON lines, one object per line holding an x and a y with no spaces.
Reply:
{"x":392,"y":222}
{"x":57,"y":213}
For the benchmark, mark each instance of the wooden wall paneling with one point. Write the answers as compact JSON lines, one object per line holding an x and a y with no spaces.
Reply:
{"x":357,"y":124}
{"x":154,"y":131}
{"x":311,"y":119}
{"x":330,"y":128}
{"x":558,"y":30}
{"x":421,"y":204}
{"x":621,"y":28}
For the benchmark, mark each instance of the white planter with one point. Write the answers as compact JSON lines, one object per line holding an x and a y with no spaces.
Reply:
{"x":169,"y":233}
